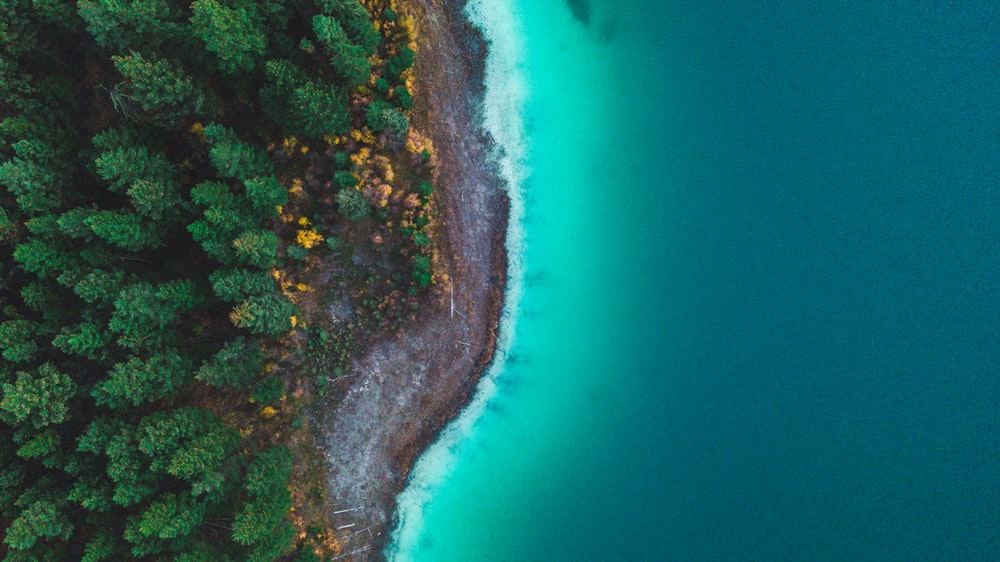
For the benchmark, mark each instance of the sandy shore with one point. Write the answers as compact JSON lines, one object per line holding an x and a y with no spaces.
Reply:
{"x":407,"y":388}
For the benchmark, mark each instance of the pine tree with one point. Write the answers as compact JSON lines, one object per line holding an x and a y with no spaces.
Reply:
{"x":301,"y":106}
{"x":17,"y":340}
{"x":319,"y":109}
{"x":143,"y":380}
{"x":168,"y":519}
{"x":350,"y":61}
{"x":351,"y":203}
{"x":161,"y":87}
{"x":355,"y":20}
{"x":257,"y":247}
{"x":85,"y":339}
{"x":123,"y":166}
{"x":235,"y":35}
{"x":102,"y":546}
{"x":268,"y":497}
{"x":33,"y":177}
{"x":124,"y":229}
{"x":268,"y":314}
{"x":234,"y":285}
{"x":41,"y":519}
{"x":99,"y":286}
{"x":232,"y":158}
{"x":121,"y":25}
{"x":238,"y":363}
{"x":37,"y":398}
{"x":265,"y":193}
{"x":141,"y":316}
{"x":73,"y":224}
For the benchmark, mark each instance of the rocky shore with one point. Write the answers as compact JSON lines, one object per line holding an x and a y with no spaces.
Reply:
{"x":394,"y":400}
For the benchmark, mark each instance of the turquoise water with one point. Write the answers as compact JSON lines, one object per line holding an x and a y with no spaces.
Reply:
{"x":754,"y":309}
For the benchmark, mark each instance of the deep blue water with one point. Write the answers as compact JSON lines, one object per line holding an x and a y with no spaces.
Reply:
{"x":762,"y":299}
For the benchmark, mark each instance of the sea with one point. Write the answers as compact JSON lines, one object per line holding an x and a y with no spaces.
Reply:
{"x":754,"y":293}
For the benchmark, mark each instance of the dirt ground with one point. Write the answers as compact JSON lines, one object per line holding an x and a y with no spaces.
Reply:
{"x":391,"y":403}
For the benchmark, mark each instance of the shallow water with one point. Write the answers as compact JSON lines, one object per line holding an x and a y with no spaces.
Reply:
{"x":760,"y":289}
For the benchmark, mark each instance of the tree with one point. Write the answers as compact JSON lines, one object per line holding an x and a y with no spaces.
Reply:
{"x":181,"y":295}
{"x":99,"y":286}
{"x":301,"y":106}
{"x":143,"y":380}
{"x":226,"y":214}
{"x":350,"y":61}
{"x":268,"y":314}
{"x":400,"y":62}
{"x":17,"y":340}
{"x":234,"y":285}
{"x":102,"y":546}
{"x":232,"y":158}
{"x":265,"y":193}
{"x":72,"y":223}
{"x":93,"y":493}
{"x":128,"y":468}
{"x":356,"y":21}
{"x":153,"y":198}
{"x":257,"y":247}
{"x":33,"y":177}
{"x":45,"y":258}
{"x":234,"y":366}
{"x":41,"y":445}
{"x":124,"y":229}
{"x":85,"y":339}
{"x":38,"y":398}
{"x":401,"y":98}
{"x":160,"y":87}
{"x":188,"y":443}
{"x":319,"y":109}
{"x":168,"y":518}
{"x":42,"y":519}
{"x":40,"y":296}
{"x":266,"y":485}
{"x":123,"y":166}
{"x":235,"y":35}
{"x":121,"y":25}
{"x":381,"y":116}
{"x":351,"y":203}
{"x":141,"y":314}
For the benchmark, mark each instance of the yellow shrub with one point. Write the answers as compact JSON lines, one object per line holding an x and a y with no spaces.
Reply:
{"x":308,"y":238}
{"x":268,"y":412}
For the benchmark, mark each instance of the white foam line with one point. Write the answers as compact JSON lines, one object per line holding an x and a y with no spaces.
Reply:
{"x":503,"y":117}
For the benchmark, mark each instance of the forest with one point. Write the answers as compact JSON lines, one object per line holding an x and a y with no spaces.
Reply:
{"x":185,"y":189}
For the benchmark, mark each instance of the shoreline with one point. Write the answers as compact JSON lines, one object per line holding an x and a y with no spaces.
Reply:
{"x":406,"y":389}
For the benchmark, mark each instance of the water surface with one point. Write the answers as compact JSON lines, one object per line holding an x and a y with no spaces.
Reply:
{"x":760,"y":289}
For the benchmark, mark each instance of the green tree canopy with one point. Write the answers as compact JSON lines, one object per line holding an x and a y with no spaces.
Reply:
{"x":121,"y":25}
{"x":160,"y":87}
{"x":238,"y":363}
{"x":124,"y":229}
{"x":235,"y":35}
{"x":141,"y":380}
{"x":268,"y":314}
{"x":352,"y":204}
{"x":257,"y":247}
{"x":37,"y":398}
{"x":234,"y":285}
{"x":41,"y":519}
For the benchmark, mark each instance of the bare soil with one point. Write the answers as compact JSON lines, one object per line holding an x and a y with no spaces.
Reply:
{"x":391,"y":403}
